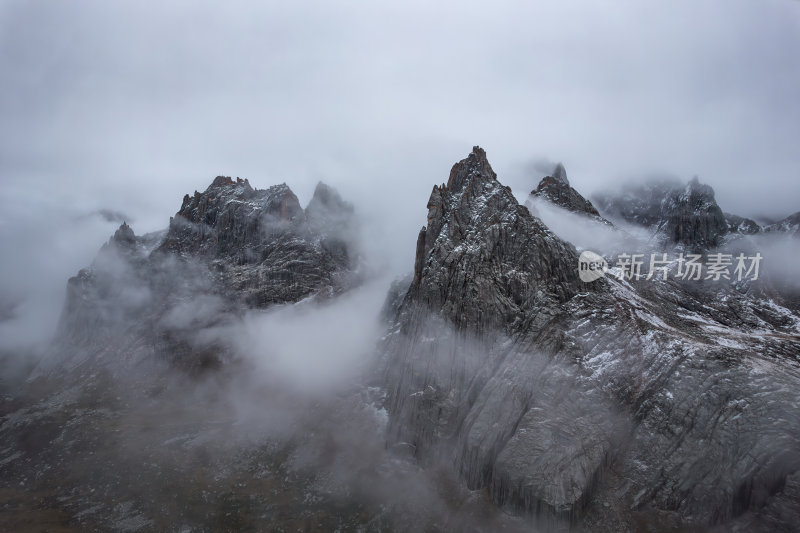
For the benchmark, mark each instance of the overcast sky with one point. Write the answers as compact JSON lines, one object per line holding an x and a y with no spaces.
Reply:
{"x":129,"y":105}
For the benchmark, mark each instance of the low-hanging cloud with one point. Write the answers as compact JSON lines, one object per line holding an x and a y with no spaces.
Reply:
{"x":125,"y":108}
{"x":313,"y":346}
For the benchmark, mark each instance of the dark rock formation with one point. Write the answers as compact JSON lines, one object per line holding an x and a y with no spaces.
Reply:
{"x":560,"y":174}
{"x":108,"y":296}
{"x":693,"y":217}
{"x":261,"y":241}
{"x":124,"y":235}
{"x":614,"y":406}
{"x":687,"y":216}
{"x":334,"y":220}
{"x":499,"y":253}
{"x":741,"y":225}
{"x":789,"y":225}
{"x":229,"y":248}
{"x":556,"y":190}
{"x":487,"y":270}
{"x":394,"y":297}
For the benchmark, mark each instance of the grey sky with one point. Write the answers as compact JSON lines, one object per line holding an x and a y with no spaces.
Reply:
{"x":129,"y":105}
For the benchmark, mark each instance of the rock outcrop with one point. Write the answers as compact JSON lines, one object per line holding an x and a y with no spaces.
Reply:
{"x":468,"y":364}
{"x":742,"y":225}
{"x":498,"y":251}
{"x":789,"y":225}
{"x":262,"y":242}
{"x":611,"y":405}
{"x":531,"y":396}
{"x":682,"y":215}
{"x":333,"y":219}
{"x":557,"y":190}
{"x":229,"y":248}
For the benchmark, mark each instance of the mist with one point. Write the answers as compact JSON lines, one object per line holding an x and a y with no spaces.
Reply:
{"x":586,"y":233}
{"x":128,"y":107}
{"x":314,"y":348}
{"x":170,"y":395}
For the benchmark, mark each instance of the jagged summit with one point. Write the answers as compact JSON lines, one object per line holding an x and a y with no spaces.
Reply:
{"x":124,"y":235}
{"x":334,"y":220}
{"x":486,"y":270}
{"x":702,"y":194}
{"x":583,"y":402}
{"x":790,"y":225}
{"x":327,"y":201}
{"x":557,"y":190}
{"x":560,"y":174}
{"x":277,"y":251}
{"x":246,"y":247}
{"x":476,"y":227}
{"x":475,"y":164}
{"x":741,"y":225}
{"x":685,"y":215}
{"x":225,"y":181}
{"x":237,"y":216}
{"x":693,"y":218}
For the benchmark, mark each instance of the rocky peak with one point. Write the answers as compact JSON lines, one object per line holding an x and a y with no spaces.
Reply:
{"x":124,"y":235}
{"x":741,"y":225}
{"x":329,"y":198}
{"x":327,"y":210}
{"x":477,"y":231}
{"x":476,"y":165}
{"x":261,"y":240}
{"x":230,"y":217}
{"x":790,"y":225}
{"x":560,"y":174}
{"x":699,"y":195}
{"x":556,"y":190}
{"x":242,"y":246}
{"x":281,"y":202}
{"x":124,"y":241}
{"x":221,"y":181}
{"x":278,"y":200}
{"x":685,"y":215}
{"x":488,"y":276}
{"x":334,"y":221}
{"x":693,"y":218}
{"x":652,"y":380}
{"x":227,"y":181}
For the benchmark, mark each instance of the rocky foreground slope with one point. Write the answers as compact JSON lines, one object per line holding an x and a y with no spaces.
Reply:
{"x":612,"y":406}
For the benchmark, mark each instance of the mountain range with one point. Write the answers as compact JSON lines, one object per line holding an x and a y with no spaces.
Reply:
{"x":502,"y":392}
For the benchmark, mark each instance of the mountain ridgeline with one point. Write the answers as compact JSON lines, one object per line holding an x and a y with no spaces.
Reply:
{"x":609,"y":406}
{"x":527,"y":397}
{"x":233,"y":246}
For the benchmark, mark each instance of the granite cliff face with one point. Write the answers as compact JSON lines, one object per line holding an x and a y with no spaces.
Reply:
{"x":611,"y":406}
